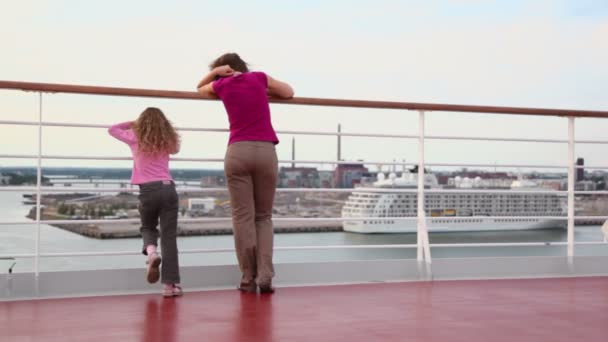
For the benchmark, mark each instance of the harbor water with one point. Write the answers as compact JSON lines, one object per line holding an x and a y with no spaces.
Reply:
{"x":18,"y":239}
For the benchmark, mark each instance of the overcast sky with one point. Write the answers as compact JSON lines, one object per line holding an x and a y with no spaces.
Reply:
{"x":515,"y":53}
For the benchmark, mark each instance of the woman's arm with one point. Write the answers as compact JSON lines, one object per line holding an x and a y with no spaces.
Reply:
{"x":123,"y":132}
{"x":205,"y":87}
{"x":279,"y":89}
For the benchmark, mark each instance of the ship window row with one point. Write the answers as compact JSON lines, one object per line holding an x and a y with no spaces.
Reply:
{"x":502,"y":201}
{"x":435,"y":206}
{"x":474,"y":208}
{"x":458,"y":221}
{"x":516,"y":220}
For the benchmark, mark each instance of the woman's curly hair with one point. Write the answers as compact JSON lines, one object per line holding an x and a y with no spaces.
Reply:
{"x":155,"y":134}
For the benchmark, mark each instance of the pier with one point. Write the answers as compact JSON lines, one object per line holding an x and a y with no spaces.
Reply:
{"x":131,"y":230}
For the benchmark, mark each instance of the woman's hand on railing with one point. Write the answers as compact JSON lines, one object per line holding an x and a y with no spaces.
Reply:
{"x":205,"y":86}
{"x":221,"y":71}
{"x":279,"y":89}
{"x":224,"y":71}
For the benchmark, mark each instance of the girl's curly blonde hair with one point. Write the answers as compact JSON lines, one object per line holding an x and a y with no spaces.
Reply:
{"x":155,"y":134}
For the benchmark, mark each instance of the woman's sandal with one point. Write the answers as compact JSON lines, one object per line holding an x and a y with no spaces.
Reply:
{"x":153,"y":273}
{"x":266,"y":288}
{"x":247,"y":287}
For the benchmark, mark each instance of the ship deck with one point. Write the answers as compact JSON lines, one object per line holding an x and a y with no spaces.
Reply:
{"x":550,"y":309}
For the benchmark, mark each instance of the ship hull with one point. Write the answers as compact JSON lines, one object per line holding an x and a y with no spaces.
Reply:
{"x":464,"y":224}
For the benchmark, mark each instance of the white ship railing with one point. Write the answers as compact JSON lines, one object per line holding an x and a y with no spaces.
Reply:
{"x":423,"y":246}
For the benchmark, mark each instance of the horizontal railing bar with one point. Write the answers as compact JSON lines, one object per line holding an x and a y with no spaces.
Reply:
{"x":84,"y":125}
{"x":446,"y":137}
{"x":214,"y":219}
{"x":133,"y":188}
{"x":18,"y":156}
{"x":516,"y":244}
{"x":210,"y":160}
{"x":213,"y":250}
{"x":18,"y":188}
{"x":190,"y":95}
{"x":296,"y":248}
{"x":24,"y":123}
{"x":290,"y":161}
{"x":591,"y":243}
{"x":51,"y":189}
{"x":33,"y":156}
{"x":498,"y":244}
{"x":201,"y":129}
{"x":494,"y":191}
{"x":592,"y":167}
{"x":595,"y":192}
{"x":429,"y":137}
{"x":18,"y":255}
{"x":591,"y":141}
{"x":351,"y":134}
{"x":344,"y":134}
{"x":456,"y":217}
{"x":591,"y":217}
{"x":499,"y":165}
{"x":52,"y":124}
{"x":304,"y":219}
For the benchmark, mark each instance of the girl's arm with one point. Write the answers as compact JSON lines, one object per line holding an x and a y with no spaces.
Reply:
{"x":123,"y":132}
{"x":205,"y":87}
{"x":278,"y":89}
{"x":177,"y":148}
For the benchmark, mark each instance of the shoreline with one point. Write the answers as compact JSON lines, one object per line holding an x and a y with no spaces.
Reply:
{"x":111,"y":231}
{"x":131,"y":230}
{"x":211,"y":227}
{"x":105,"y":231}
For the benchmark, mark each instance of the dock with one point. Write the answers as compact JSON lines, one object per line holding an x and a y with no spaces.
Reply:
{"x":131,"y":230}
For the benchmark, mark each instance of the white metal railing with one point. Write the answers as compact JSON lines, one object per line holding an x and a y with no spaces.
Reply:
{"x":304,"y":219}
{"x":328,"y":133}
{"x":320,"y":247}
{"x":51,"y":189}
{"x":423,"y":245}
{"x":331,"y":133}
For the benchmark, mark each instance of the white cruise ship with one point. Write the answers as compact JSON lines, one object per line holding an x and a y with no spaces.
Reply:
{"x":457,"y":210}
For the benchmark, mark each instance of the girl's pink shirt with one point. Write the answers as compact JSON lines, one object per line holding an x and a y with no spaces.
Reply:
{"x":146,"y":167}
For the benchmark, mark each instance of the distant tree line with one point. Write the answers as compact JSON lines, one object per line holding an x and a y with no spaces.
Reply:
{"x":107,"y":173}
{"x":20,"y":179}
{"x":92,"y":210}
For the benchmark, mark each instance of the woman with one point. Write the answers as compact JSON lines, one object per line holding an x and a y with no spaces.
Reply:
{"x":151,"y":139}
{"x":250,"y":164}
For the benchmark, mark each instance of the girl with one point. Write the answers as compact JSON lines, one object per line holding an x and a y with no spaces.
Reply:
{"x":151,"y":139}
{"x":250,"y":163}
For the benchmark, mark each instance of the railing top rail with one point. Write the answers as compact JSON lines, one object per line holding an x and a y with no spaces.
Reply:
{"x":173,"y":94}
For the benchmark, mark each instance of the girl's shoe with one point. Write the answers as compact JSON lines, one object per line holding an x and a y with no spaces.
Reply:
{"x":173,"y":291}
{"x":153,"y":273}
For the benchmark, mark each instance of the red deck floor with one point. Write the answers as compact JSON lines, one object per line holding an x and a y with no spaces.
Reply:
{"x":493,"y":310}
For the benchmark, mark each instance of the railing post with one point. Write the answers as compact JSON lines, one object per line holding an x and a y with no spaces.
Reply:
{"x":571,"y":183}
{"x":424,"y":250}
{"x":38,"y":187}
